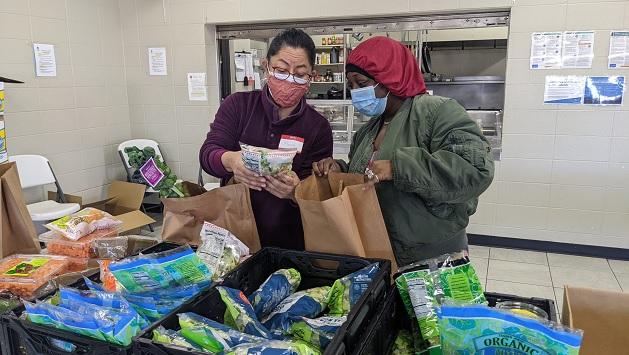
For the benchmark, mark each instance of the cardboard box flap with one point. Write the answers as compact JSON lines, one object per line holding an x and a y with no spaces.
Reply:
{"x":101,"y":205}
{"x":126,"y":194}
{"x":602,"y":315}
{"x":133,"y":220}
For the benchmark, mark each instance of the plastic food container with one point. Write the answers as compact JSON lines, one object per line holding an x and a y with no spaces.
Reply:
{"x":23,"y":275}
{"x":523,"y":309}
{"x":105,"y":241}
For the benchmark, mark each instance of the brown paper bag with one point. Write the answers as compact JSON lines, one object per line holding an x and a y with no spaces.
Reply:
{"x":228,"y":207}
{"x":339,"y":217}
{"x":18,"y":230}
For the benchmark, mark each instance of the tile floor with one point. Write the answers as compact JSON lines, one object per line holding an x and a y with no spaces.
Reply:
{"x":538,"y":274}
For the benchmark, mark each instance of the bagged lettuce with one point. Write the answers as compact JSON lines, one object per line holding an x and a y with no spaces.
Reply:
{"x":46,"y":314}
{"x":83,"y":222}
{"x":240,"y":314}
{"x":167,"y":336}
{"x":230,"y":336}
{"x":319,"y":332}
{"x":347,"y":290}
{"x":172,"y":268}
{"x":267,"y":162}
{"x":274,"y":290}
{"x":419,"y":297}
{"x":220,"y":250}
{"x":203,"y":338}
{"x":275,"y":347}
{"x":403,"y":344}
{"x":479,"y":329}
{"x":307,"y":303}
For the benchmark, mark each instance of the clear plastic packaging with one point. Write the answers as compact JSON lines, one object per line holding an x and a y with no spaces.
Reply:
{"x":26,"y":275}
{"x":275,"y":347}
{"x":347,"y":290}
{"x":267,"y":162}
{"x":220,"y":250}
{"x":79,"y":264}
{"x":274,"y":290}
{"x":104,"y":243}
{"x":307,"y":303}
{"x":239,"y":313}
{"x":83,"y":223}
{"x":168,"y":336}
{"x":475,"y":329}
{"x":319,"y":332}
{"x":228,"y":335}
{"x":106,"y":277}
{"x":523,"y":309}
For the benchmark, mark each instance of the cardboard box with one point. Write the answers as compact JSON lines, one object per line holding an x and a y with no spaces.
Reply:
{"x":123,"y":201}
{"x":602,"y":315}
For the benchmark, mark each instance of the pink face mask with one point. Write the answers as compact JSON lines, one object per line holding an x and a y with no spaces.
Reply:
{"x":286,"y":93}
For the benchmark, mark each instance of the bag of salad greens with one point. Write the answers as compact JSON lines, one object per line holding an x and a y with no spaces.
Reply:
{"x":307,"y":303}
{"x":168,"y":336}
{"x":319,"y":331}
{"x":274,"y":290}
{"x":267,"y":162}
{"x":347,"y":290}
{"x":275,"y":347}
{"x":230,"y":336}
{"x":239,"y":313}
{"x":220,"y":250}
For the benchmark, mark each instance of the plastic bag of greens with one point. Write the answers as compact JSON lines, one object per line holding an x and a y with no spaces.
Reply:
{"x":347,"y":290}
{"x":307,"y":303}
{"x":267,"y":162}
{"x":167,"y":336}
{"x":219,"y":331}
{"x":479,"y":329}
{"x":204,"y":338}
{"x":151,"y":170}
{"x":275,"y":347}
{"x":319,"y":331}
{"x":419,"y":296}
{"x":57,"y":317}
{"x":171,"y":268}
{"x":274,"y":290}
{"x":220,"y":250}
{"x":403,"y":344}
{"x":239,"y":313}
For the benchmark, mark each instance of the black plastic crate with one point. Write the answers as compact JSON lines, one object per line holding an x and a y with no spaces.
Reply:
{"x":21,"y":337}
{"x":393,"y":318}
{"x":317,"y":269}
{"x":164,"y":246}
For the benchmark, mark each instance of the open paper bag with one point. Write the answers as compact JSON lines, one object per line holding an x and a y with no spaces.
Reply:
{"x":228,"y":207}
{"x":18,"y":230}
{"x":340,"y":217}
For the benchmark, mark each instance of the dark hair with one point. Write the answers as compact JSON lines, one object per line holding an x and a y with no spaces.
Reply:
{"x":296,"y":38}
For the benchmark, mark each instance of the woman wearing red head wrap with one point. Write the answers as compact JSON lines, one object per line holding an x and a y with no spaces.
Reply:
{"x":427,"y":159}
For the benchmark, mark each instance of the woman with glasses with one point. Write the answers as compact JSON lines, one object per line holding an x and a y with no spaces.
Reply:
{"x":275,"y":117}
{"x":427,"y":159}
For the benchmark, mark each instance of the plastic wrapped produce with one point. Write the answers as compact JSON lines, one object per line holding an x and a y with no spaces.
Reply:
{"x":176,"y":267}
{"x":319,"y":331}
{"x":83,"y":222}
{"x":103,"y":243}
{"x":275,"y":347}
{"x":267,"y":162}
{"x":204,"y":339}
{"x":479,"y":329}
{"x":230,"y":336}
{"x":220,"y":250}
{"x":167,"y":336}
{"x":26,"y":275}
{"x":347,"y":290}
{"x":307,"y":303}
{"x":239,"y":313}
{"x":274,"y":290}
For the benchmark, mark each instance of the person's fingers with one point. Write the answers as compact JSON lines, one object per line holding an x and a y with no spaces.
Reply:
{"x":254,"y":184}
{"x":316,"y":169}
{"x":290,"y":179}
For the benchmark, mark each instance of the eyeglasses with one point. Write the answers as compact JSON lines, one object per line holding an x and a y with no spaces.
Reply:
{"x":283,"y":74}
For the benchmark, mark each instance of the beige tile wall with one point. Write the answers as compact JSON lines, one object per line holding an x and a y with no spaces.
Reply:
{"x":77,"y":118}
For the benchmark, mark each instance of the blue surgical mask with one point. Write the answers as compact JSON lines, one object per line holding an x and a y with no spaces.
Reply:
{"x":366,"y":102}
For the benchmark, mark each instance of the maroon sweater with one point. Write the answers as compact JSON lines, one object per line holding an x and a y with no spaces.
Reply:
{"x":252,"y":118}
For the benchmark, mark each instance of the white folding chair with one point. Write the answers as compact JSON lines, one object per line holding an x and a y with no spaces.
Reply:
{"x":207,"y":186}
{"x":141,"y":144}
{"x":35,"y":170}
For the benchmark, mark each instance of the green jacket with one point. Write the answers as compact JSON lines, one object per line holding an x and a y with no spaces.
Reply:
{"x":441,"y":164}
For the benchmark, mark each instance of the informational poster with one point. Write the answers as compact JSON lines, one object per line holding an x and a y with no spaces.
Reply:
{"x":240,"y":64}
{"x":564,"y":89}
{"x":577,"y":50}
{"x":546,"y":50}
{"x":257,"y":81}
{"x":584,"y":90}
{"x":604,"y":90}
{"x":618,"y":50}
{"x":3,"y":137}
{"x":197,"y":90}
{"x":45,"y":61}
{"x":1,"y":98}
{"x":157,"y":61}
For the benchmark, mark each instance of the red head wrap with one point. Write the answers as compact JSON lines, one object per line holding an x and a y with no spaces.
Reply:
{"x":390,"y":63}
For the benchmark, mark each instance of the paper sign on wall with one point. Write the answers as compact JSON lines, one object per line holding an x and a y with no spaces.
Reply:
{"x":618,"y":50}
{"x":577,"y":50}
{"x":584,"y":90}
{"x":157,"y":61}
{"x":546,"y":50}
{"x":3,"y":138}
{"x":197,"y":90}
{"x":45,"y":61}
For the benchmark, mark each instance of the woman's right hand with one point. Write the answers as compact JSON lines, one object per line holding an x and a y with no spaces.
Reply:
{"x":324,"y":166}
{"x":232,"y":161}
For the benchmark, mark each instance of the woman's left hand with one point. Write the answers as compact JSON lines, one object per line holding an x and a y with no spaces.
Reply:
{"x":383,"y":171}
{"x":283,"y":185}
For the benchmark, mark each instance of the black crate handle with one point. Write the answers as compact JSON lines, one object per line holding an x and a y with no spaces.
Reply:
{"x":153,"y":350}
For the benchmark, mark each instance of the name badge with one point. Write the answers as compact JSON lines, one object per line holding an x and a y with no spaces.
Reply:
{"x":291,"y":142}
